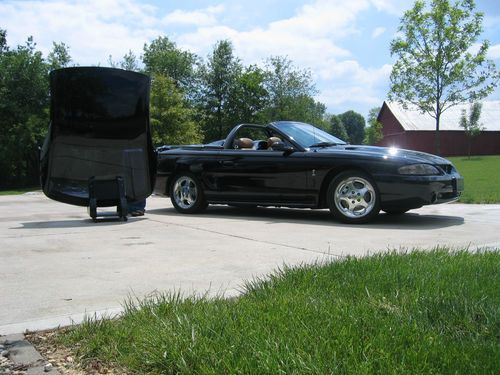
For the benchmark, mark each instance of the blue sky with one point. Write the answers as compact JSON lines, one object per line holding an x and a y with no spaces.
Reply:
{"x":345,"y":44}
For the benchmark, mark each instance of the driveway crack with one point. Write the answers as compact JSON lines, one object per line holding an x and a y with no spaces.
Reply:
{"x":212,"y":231}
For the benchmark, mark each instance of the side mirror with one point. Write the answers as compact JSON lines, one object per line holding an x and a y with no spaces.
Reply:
{"x":281,"y":146}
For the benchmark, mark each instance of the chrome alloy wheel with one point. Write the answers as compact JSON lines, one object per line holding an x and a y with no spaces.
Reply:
{"x":185,"y":192}
{"x":355,"y":197}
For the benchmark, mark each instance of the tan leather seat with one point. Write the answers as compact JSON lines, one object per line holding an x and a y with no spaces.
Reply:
{"x":272,"y":140}
{"x":243,"y":143}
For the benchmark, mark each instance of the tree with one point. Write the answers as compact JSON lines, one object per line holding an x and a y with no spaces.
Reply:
{"x":373,"y":132}
{"x":354,"y":125}
{"x":129,"y":62}
{"x":59,"y":57}
{"x":163,"y":57}
{"x":248,"y":96}
{"x":220,"y":76}
{"x":290,"y":91}
{"x":24,"y":99}
{"x":437,"y":66}
{"x":337,"y":128}
{"x":305,"y":108}
{"x":171,"y":117}
{"x":471,"y":124}
{"x":3,"y":41}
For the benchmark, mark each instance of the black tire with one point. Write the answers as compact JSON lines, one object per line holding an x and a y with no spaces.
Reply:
{"x":395,"y":211}
{"x":353,"y":197}
{"x":186,"y":194}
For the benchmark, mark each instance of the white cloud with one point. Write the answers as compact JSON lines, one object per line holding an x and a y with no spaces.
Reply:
{"x":355,"y":86}
{"x":310,"y":39}
{"x":313,"y":37}
{"x":345,"y":97}
{"x":491,"y":21}
{"x":323,"y":18}
{"x":93,"y":29}
{"x":393,"y":7}
{"x":202,"y":17}
{"x":377,"y":32}
{"x":494,"y":52}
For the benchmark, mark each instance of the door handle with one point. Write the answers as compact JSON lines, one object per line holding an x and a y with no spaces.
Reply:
{"x":227,"y":163}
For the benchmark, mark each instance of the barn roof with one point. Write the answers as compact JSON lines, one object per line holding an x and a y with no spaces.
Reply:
{"x":412,"y":119}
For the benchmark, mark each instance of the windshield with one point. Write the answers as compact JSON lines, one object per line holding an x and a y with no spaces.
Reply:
{"x":307,"y":135}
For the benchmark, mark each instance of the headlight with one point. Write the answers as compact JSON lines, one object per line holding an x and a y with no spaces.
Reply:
{"x":419,"y":169}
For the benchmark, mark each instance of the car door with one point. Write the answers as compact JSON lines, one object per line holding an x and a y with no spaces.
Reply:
{"x":262,"y":177}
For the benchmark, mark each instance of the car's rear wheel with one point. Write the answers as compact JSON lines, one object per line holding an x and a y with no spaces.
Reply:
{"x":353,"y":197}
{"x":186,"y":194}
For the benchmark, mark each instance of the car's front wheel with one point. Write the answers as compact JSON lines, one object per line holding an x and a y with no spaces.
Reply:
{"x":353,"y":197}
{"x":186,"y":194}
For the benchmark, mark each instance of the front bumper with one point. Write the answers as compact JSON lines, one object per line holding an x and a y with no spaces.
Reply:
{"x":417,"y":191}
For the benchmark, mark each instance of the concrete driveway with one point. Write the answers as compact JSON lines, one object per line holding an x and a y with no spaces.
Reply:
{"x":57,"y":265}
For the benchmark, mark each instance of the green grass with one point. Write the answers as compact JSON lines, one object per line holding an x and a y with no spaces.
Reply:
{"x":18,"y":191}
{"x":482,"y":178}
{"x":417,"y":313}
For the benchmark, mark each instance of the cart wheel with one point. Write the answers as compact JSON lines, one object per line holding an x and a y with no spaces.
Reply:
{"x":93,"y":209}
{"x":122,"y":208}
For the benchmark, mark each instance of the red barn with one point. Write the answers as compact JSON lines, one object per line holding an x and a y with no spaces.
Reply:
{"x":411,"y":129}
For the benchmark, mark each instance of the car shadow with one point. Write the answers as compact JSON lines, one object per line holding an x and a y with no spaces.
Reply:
{"x":410,"y":220}
{"x":75,"y":223}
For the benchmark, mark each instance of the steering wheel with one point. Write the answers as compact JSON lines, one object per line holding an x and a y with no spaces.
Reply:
{"x":259,"y":145}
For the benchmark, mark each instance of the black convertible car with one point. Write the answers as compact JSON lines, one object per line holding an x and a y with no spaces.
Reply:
{"x":293,"y":164}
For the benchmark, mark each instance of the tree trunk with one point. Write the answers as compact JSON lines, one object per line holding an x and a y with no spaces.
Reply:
{"x":436,"y":139}
{"x":438,"y":115}
{"x":219,"y":120}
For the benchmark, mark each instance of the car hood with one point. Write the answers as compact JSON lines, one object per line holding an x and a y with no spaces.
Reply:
{"x":409,"y":156}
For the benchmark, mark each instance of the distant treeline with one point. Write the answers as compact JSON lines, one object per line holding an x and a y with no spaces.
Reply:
{"x":193,"y":99}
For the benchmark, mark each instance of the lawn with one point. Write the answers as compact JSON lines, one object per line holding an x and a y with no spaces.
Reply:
{"x":416,"y":313}
{"x":18,"y":191}
{"x":482,"y":178}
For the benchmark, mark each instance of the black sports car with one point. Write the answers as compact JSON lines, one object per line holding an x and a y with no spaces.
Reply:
{"x":293,"y":164}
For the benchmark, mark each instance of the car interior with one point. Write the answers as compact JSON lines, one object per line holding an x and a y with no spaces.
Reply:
{"x":249,"y":144}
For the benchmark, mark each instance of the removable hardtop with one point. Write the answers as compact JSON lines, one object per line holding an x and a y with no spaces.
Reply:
{"x":99,"y":130}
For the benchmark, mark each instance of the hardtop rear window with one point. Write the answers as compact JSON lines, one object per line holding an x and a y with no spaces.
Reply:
{"x":99,"y":103}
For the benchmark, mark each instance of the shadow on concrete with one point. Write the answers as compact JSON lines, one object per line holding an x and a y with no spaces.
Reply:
{"x":410,"y":220}
{"x":78,"y":223}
